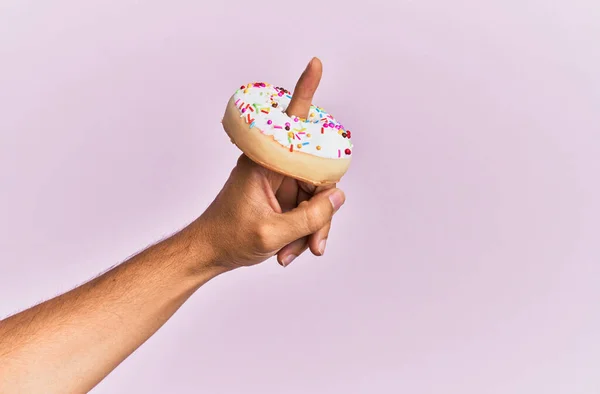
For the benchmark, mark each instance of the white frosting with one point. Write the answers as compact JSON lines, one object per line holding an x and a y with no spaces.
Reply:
{"x":320,"y":135}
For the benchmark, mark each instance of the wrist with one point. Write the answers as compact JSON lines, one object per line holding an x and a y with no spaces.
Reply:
{"x":197,"y":253}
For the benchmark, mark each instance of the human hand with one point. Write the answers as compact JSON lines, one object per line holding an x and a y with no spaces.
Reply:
{"x":260,"y":213}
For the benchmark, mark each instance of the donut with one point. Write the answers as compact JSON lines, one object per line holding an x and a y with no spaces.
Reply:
{"x":316,"y":150}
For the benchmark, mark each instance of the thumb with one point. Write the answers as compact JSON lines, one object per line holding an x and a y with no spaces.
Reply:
{"x":310,"y":216}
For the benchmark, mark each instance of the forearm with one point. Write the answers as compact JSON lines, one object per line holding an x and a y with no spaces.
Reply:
{"x":71,"y":342}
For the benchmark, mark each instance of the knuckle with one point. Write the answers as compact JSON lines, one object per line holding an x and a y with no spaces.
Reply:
{"x":303,"y":205}
{"x":264,"y":237}
{"x":313,"y":219}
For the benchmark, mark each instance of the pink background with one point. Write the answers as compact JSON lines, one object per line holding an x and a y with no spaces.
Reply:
{"x":466,"y":259}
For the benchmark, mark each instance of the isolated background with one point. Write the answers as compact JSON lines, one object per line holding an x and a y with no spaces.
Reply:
{"x":466,"y":259}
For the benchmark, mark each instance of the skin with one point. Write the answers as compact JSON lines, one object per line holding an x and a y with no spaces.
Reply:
{"x":70,"y":343}
{"x":292,"y":192}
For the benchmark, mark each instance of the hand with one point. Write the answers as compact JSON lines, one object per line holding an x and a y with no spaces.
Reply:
{"x":260,"y":213}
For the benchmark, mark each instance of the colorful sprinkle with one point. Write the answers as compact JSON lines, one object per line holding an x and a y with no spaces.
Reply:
{"x":253,"y":99}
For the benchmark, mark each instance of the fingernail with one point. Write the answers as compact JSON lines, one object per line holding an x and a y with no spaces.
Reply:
{"x":287,"y":260}
{"x":322,"y":245}
{"x":337,"y":199}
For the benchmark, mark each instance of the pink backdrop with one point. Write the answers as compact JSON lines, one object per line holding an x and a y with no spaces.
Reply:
{"x":466,"y":259}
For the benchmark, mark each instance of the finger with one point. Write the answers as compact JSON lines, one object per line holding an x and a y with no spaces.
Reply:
{"x":305,"y":89}
{"x":318,"y":241}
{"x":303,"y":195}
{"x":308,"y":187}
{"x":249,"y":169}
{"x":287,"y":194}
{"x":310,"y":216}
{"x":291,"y":251}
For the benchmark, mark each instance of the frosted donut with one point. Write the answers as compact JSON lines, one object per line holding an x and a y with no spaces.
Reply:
{"x":316,"y":150}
